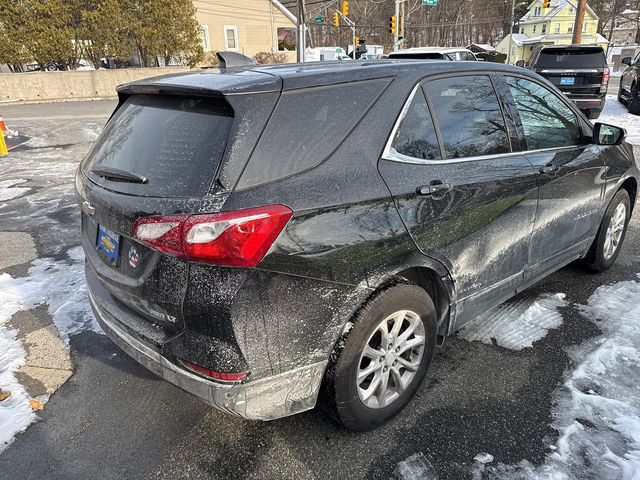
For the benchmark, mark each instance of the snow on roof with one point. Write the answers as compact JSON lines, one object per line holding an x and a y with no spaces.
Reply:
{"x":518,"y":38}
{"x":484,"y":46}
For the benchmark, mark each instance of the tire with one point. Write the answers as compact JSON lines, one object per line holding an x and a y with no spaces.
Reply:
{"x":362,"y":404}
{"x":620,"y":99}
{"x":605,"y":247}
{"x":634,"y":104}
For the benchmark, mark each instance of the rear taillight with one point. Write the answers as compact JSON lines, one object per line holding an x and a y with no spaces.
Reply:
{"x":206,"y":372}
{"x":239,"y":238}
{"x":605,"y":77}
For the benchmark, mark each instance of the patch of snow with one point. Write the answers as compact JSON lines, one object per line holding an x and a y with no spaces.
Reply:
{"x":516,"y":325}
{"x":597,"y":410}
{"x":61,"y":286}
{"x":15,"y":411}
{"x":416,"y":467}
{"x":616,"y":114}
{"x":8,"y":191}
{"x":483,"y":458}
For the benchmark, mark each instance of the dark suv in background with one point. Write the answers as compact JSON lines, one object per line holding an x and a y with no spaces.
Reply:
{"x":578,"y":71}
{"x":267,"y":235}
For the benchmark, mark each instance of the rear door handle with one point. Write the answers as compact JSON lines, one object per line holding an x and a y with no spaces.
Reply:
{"x":549,"y":169}
{"x":435,"y":189}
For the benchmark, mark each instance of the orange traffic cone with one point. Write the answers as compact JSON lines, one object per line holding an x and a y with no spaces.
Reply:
{"x":3,"y":126}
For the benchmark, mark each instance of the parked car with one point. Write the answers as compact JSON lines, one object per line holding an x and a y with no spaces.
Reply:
{"x":271,"y":235}
{"x":578,"y":71}
{"x":435,"y":53}
{"x":629,"y":82}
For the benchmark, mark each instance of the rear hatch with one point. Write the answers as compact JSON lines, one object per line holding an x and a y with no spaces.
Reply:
{"x":580,"y":70}
{"x":160,"y":154}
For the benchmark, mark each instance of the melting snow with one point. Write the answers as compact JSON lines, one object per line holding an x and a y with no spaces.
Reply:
{"x":616,"y":114}
{"x":597,"y":410}
{"x":416,"y":467}
{"x":8,"y":191}
{"x":58,"y":284}
{"x":516,"y":325}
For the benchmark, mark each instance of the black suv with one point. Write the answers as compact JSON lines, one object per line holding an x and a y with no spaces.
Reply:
{"x":267,"y":235}
{"x":629,"y":91}
{"x":578,"y":71}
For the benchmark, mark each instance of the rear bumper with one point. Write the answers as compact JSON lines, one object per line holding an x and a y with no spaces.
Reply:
{"x":587,"y":102}
{"x":268,"y":398}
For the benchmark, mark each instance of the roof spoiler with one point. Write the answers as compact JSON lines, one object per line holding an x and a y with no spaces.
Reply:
{"x":233,"y":59}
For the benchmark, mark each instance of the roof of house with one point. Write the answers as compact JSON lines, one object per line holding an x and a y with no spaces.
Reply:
{"x":558,"y":6}
{"x":285,"y":10}
{"x":482,"y":46}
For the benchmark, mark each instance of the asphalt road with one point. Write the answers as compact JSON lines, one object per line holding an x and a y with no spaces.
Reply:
{"x":114,"y":419}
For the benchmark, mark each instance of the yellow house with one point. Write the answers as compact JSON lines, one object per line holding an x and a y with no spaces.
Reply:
{"x":549,"y":26}
{"x":247,"y":26}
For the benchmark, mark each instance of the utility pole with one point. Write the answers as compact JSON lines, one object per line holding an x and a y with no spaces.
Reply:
{"x":577,"y":26}
{"x":395,"y":35}
{"x":513,"y":13}
{"x":300,"y":47}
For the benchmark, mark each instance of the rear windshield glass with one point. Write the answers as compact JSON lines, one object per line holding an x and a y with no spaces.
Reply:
{"x":423,"y":56}
{"x":175,"y":143}
{"x":559,"y":58}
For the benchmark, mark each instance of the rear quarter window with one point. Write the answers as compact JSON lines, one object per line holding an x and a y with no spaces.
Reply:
{"x":307,"y":125}
{"x":177,"y":143}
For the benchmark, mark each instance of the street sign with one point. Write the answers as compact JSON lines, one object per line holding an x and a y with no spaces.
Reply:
{"x":432,"y":3}
{"x":319,"y":20}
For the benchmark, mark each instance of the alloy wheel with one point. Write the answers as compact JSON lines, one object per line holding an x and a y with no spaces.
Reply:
{"x":391,"y":359}
{"x":614,"y":231}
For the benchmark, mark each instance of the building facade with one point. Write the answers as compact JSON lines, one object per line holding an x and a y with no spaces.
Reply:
{"x":247,"y":27}
{"x":549,"y":26}
{"x":625,"y":28}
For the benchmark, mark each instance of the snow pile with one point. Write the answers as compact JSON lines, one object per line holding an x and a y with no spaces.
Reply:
{"x":597,"y":410}
{"x":616,"y":114}
{"x":516,"y":324}
{"x":58,"y":284}
{"x":416,"y":467}
{"x":8,"y":191}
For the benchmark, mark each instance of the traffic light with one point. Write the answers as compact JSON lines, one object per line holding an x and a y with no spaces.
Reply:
{"x":393,"y":25}
{"x":336,"y":19}
{"x":545,"y":3}
{"x":345,"y":8}
{"x":357,"y":40}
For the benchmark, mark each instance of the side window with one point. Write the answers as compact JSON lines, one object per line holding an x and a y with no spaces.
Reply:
{"x":416,"y":136}
{"x":546,"y":120}
{"x":468,"y":115}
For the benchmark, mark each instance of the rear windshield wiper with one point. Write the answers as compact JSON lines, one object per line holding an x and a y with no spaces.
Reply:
{"x":117,"y":175}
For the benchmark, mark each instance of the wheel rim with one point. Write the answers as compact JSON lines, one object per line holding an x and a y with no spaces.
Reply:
{"x":614,"y":231}
{"x":390,"y":359}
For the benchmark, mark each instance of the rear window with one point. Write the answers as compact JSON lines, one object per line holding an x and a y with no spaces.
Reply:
{"x":176,"y":143}
{"x":421,"y":56}
{"x":571,"y":58}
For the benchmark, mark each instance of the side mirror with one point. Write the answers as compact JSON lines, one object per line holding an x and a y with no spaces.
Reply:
{"x":520,"y":63}
{"x":604,"y":134}
{"x":626,"y":60}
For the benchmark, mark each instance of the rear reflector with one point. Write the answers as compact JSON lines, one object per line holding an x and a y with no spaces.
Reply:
{"x":238,"y":238}
{"x":205,"y":372}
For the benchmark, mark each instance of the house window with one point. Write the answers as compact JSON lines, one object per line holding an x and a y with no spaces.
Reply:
{"x":584,"y":27}
{"x":286,"y":39}
{"x":570,"y":28}
{"x":557,"y":28}
{"x":572,"y":9}
{"x":204,"y":38}
{"x":231,"y":37}
{"x":534,"y":28}
{"x":544,"y":28}
{"x":536,"y":12}
{"x":522,"y":30}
